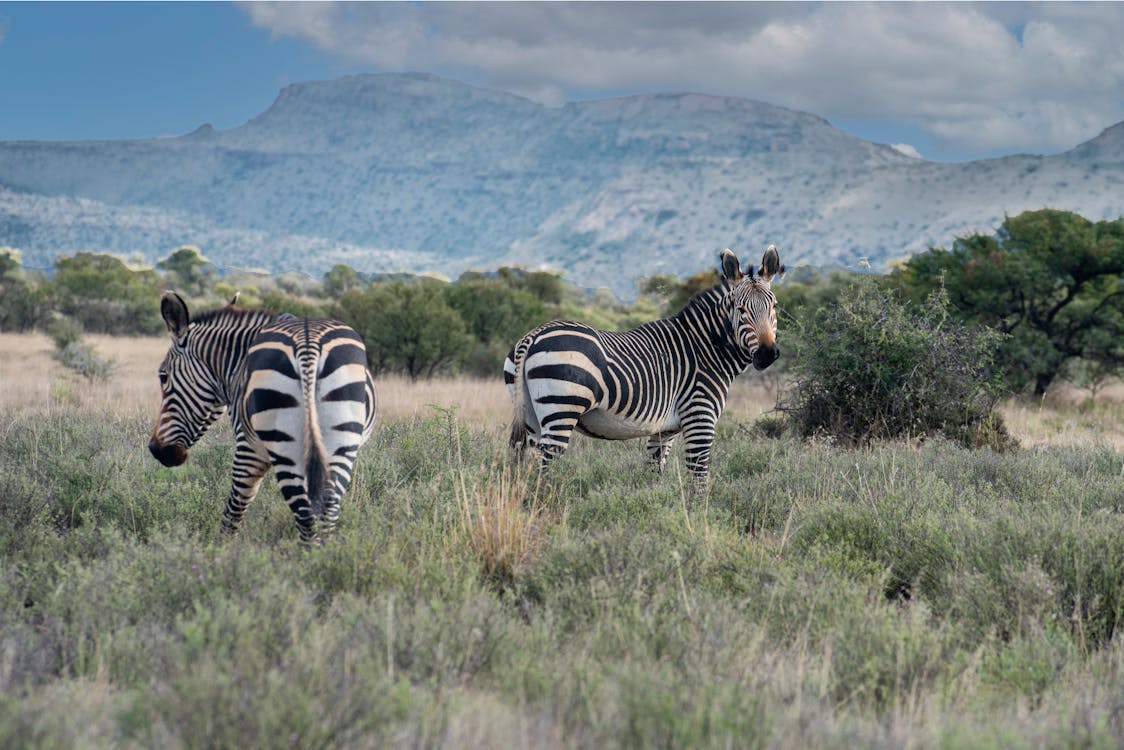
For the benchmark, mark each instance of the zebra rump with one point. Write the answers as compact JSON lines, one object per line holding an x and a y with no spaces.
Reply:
{"x":300,"y":397}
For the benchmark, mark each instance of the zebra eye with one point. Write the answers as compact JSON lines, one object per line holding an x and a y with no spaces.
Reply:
{"x":163,"y":378}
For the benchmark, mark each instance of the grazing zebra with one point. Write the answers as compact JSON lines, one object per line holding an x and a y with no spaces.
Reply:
{"x":666,"y":377}
{"x":300,"y":397}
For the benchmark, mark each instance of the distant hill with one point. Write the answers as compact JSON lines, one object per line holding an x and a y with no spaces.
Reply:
{"x":418,"y":173}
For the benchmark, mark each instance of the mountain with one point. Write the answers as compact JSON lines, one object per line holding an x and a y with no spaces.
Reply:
{"x":413,"y":172}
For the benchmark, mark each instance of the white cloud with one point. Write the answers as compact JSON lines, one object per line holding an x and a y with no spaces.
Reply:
{"x":1038,"y":77}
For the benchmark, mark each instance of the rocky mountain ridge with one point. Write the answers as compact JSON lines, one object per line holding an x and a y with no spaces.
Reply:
{"x":395,"y":172}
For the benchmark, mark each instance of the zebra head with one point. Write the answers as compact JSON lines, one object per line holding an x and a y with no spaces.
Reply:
{"x":192,"y":394}
{"x":753,"y":308}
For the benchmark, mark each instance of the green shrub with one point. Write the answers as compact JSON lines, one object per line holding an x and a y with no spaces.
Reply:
{"x":872,"y":367}
{"x":641,"y":619}
{"x":83,"y":359}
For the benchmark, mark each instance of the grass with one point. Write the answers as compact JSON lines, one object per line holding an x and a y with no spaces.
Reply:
{"x":905,"y":595}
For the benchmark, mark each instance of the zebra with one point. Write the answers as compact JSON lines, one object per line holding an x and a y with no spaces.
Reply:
{"x":300,"y":397}
{"x":666,"y":377}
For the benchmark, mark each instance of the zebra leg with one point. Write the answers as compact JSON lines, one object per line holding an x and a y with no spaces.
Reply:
{"x":297,"y":498}
{"x":246,"y":476}
{"x":555,"y":438}
{"x":698,"y":438}
{"x":658,"y":449}
{"x":342,"y":469}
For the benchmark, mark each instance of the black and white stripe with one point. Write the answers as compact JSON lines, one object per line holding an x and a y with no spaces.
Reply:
{"x":665,"y":378}
{"x":300,"y":398}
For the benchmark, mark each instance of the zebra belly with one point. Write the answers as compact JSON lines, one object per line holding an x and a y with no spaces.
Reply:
{"x":603,"y":424}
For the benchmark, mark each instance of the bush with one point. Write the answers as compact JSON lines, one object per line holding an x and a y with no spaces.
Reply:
{"x":871,"y":367}
{"x":408,"y":327}
{"x":107,"y":296}
{"x":84,"y":360}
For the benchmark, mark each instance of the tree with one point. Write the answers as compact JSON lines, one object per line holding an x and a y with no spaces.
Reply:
{"x":496,"y":315}
{"x":492,"y":310}
{"x":1052,"y":280}
{"x":24,"y":301}
{"x":408,"y":327}
{"x":106,"y":296}
{"x":546,"y":286}
{"x":188,"y":271}
{"x":340,"y":280}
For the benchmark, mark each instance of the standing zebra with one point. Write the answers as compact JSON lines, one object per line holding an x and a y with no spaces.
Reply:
{"x":665,"y":377}
{"x":300,"y":397}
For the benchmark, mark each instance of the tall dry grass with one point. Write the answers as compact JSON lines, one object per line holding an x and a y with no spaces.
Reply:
{"x":32,"y":379}
{"x":502,"y":516}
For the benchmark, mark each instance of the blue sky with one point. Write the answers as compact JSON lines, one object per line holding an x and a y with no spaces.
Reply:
{"x":76,"y":71}
{"x":950,"y":81}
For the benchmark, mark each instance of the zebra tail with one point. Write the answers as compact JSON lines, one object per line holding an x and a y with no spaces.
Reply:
{"x":317,"y":476}
{"x":518,"y":438}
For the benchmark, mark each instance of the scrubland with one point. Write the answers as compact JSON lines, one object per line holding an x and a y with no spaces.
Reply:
{"x":910,"y":594}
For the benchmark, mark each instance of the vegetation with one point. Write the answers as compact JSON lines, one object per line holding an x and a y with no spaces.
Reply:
{"x":75,"y":354}
{"x":105,"y":295}
{"x":1051,"y":280}
{"x":889,"y":597}
{"x":869,"y":367}
{"x":920,"y":594}
{"x":408,"y":327}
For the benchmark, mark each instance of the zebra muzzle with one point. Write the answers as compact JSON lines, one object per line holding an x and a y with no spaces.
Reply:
{"x":169,"y":455}
{"x":765,"y":356}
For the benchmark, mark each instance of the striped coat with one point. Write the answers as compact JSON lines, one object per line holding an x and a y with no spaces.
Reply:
{"x":299,"y":394}
{"x":663,"y":379}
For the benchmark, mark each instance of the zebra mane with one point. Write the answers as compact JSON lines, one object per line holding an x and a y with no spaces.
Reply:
{"x":707,"y":298}
{"x":230,"y":314}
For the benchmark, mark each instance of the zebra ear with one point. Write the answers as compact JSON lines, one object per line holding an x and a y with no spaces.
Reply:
{"x":770,"y":264}
{"x":234,"y":299}
{"x":731,"y":268}
{"x":174,"y":311}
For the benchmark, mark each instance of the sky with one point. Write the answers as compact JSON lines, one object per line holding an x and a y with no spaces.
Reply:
{"x":945,"y":81}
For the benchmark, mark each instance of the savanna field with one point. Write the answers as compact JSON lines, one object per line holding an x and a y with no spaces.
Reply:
{"x":911,"y":594}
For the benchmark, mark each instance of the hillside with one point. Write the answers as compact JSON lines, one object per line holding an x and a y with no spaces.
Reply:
{"x":414,"y":172}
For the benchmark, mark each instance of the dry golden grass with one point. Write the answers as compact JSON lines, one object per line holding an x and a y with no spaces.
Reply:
{"x":476,"y":401}
{"x":502,"y":518}
{"x":31,"y":379}
{"x":1068,"y":416}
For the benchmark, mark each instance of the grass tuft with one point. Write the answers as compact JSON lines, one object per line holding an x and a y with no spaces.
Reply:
{"x":502,"y":518}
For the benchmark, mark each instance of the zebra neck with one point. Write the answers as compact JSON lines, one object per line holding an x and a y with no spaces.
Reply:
{"x":706,"y":321}
{"x":225,"y":344}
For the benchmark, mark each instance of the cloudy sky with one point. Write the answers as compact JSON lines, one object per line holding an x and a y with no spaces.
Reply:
{"x":953,"y":81}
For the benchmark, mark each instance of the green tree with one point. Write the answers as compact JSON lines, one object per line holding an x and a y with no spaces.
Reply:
{"x":24,"y":300}
{"x":495,"y":315}
{"x":493,"y":310}
{"x":340,"y":280}
{"x":280,"y":302}
{"x":408,"y":327}
{"x":106,"y":296}
{"x":546,"y":286}
{"x":188,"y":271}
{"x":1051,"y":280}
